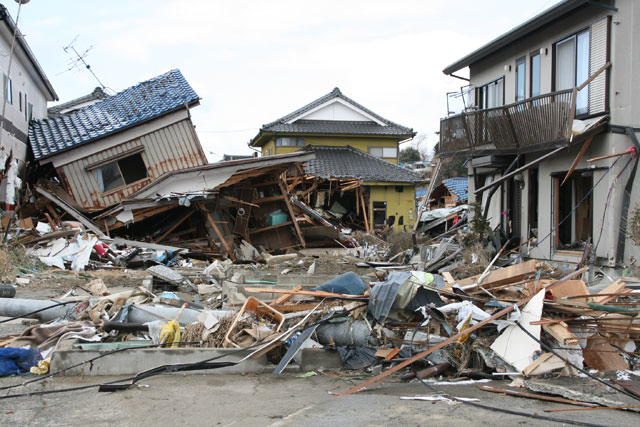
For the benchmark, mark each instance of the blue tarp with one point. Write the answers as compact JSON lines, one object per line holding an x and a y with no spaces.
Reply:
{"x":18,"y":360}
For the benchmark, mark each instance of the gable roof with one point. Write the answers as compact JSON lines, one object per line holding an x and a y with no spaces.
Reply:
{"x":349,"y":162}
{"x":65,"y":107}
{"x":294,"y":123}
{"x":11,"y":26}
{"x":522,"y":30}
{"x":133,"y":106}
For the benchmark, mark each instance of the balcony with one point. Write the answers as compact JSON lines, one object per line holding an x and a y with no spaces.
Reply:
{"x":534,"y":124}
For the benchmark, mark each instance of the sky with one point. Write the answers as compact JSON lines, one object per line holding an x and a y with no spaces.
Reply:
{"x":252,"y":62}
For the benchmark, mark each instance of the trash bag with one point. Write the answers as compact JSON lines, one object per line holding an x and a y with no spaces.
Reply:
{"x":347,"y":284}
{"x":18,"y":360}
{"x":357,"y":357}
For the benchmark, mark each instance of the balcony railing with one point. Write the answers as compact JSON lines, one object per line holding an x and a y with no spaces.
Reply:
{"x":528,"y":125}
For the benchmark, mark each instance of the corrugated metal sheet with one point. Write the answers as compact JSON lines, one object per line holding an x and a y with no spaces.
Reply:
{"x":171,"y":148}
{"x":598,"y":46}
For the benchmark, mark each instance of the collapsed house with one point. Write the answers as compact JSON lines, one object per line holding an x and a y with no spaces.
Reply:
{"x":549,"y":127}
{"x":26,"y":91}
{"x":103,"y":152}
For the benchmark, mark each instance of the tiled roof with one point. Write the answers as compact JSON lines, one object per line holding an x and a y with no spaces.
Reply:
{"x":123,"y":110}
{"x":349,"y":162}
{"x":458,"y":187}
{"x":281,"y":126}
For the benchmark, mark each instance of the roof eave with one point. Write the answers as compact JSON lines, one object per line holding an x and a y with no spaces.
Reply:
{"x":516,"y":33}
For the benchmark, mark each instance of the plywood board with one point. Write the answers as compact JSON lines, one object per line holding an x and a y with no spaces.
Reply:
{"x":513,"y":345}
{"x":570,"y":288}
{"x":600,"y":355}
{"x":501,"y":276}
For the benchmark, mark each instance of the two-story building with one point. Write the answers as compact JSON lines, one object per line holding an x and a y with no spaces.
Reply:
{"x":544,"y":102}
{"x":351,"y":142}
{"x":25,"y":93}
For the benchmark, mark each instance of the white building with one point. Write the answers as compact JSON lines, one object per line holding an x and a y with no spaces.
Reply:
{"x":25,"y":93}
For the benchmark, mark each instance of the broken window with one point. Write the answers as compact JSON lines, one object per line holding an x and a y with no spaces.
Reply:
{"x":379,"y":214}
{"x":121,"y":172}
{"x":572,"y":67}
{"x":574,"y":202}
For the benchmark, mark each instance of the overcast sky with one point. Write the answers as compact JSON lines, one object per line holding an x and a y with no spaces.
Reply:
{"x":252,"y":62}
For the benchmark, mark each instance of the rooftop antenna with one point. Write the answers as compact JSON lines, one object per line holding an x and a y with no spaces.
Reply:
{"x":81,"y":57}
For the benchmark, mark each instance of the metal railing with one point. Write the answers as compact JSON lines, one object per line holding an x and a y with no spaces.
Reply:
{"x":515,"y":127}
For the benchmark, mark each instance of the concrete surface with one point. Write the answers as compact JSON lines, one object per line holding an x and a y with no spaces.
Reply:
{"x":133,"y":361}
{"x":269,"y":400}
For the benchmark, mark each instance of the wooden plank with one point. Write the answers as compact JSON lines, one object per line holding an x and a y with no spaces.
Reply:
{"x":282,"y":186}
{"x":454,"y":338}
{"x":613,"y":288}
{"x":425,"y":198}
{"x":364,"y":212}
{"x":560,"y":331}
{"x":293,"y":307}
{"x":174,"y":226}
{"x":600,"y":355}
{"x":448,"y":278}
{"x":570,"y":288}
{"x":535,"y":396}
{"x":583,"y":150}
{"x":319,"y":294}
{"x":501,"y":276}
{"x":71,"y":211}
{"x":271,"y":227}
{"x":285,"y":298}
{"x":224,"y":242}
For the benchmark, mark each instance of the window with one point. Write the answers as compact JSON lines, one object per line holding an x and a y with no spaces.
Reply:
{"x":8,"y":89}
{"x":29,"y":112}
{"x":491,"y":95}
{"x":121,"y":172}
{"x":572,"y":67}
{"x":26,"y":108}
{"x":384,"y":152}
{"x":520,"y":79}
{"x":289,"y":142}
{"x":20,"y":100}
{"x":535,"y":74}
{"x":533,"y":203}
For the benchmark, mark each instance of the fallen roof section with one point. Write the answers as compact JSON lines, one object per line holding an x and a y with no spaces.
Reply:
{"x":135,"y":105}
{"x":349,"y":162}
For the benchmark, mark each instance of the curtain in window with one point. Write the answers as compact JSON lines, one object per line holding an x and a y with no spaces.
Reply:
{"x":565,"y":64}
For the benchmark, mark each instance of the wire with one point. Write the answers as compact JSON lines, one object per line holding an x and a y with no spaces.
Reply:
{"x":487,"y":407}
{"x":566,"y":360}
{"x":37,"y":311}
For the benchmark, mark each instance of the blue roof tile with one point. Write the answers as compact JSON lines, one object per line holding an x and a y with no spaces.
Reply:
{"x":458,"y":187}
{"x":130,"y":107}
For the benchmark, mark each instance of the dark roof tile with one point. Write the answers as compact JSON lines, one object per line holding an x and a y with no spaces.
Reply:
{"x":130,"y":107}
{"x":349,"y":162}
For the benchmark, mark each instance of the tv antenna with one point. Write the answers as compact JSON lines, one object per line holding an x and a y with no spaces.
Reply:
{"x":75,"y":63}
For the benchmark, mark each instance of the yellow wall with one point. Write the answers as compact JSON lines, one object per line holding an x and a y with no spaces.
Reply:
{"x":360,"y":143}
{"x":398,"y":204}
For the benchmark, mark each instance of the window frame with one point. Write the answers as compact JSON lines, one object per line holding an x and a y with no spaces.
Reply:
{"x":554,"y":64}
{"x":299,"y":141}
{"x":522,"y":61}
{"x":103,"y":164}
{"x":482,"y":90}
{"x":533,"y":55}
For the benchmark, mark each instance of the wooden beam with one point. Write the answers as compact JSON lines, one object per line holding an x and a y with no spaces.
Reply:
{"x":364,"y":212}
{"x":455,"y":337}
{"x":609,"y":156}
{"x":285,"y":298}
{"x":71,"y":211}
{"x":318,"y":294}
{"x":283,"y":188}
{"x":425,"y":199}
{"x":583,"y":150}
{"x":174,"y":226}
{"x":224,"y":242}
{"x":535,"y":396}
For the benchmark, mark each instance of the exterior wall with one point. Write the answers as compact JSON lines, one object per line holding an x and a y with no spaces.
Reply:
{"x":24,"y":81}
{"x":624,"y":107}
{"x":361,"y":144}
{"x":400,"y":204}
{"x":492,"y":67}
{"x":167,"y":149}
